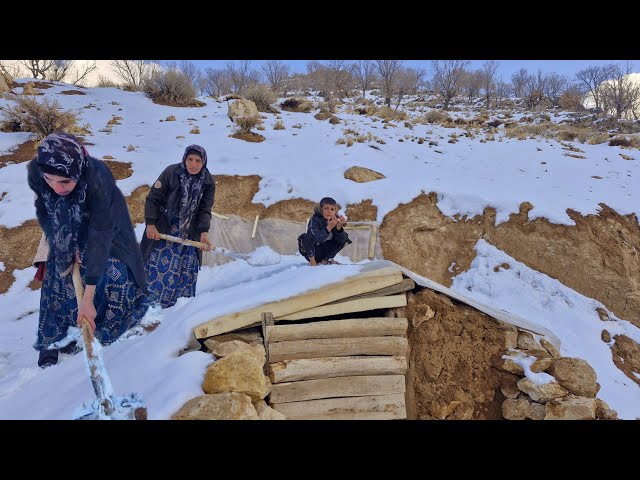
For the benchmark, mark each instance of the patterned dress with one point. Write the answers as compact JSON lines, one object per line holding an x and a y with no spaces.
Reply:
{"x":172,"y":269}
{"x":120,"y":304}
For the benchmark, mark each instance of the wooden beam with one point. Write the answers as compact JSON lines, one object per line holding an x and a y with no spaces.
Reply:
{"x":359,"y":305}
{"x":255,"y":225}
{"x":362,"y":283}
{"x":357,"y":227}
{"x":351,"y":327}
{"x":267,"y":321}
{"x":219,"y":215}
{"x":329,"y":367}
{"x":338,"y":347}
{"x":372,"y":241}
{"x":372,"y":407}
{"x":404,"y":286}
{"x":337,"y":387}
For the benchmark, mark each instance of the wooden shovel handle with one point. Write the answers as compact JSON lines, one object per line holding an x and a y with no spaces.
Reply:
{"x":193,"y":243}
{"x":87,"y":333}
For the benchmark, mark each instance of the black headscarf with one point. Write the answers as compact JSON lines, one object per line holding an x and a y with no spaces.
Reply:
{"x":63,"y":154}
{"x":191,"y":187}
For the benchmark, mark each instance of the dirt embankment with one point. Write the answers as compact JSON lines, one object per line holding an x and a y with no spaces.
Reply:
{"x":599,"y":257}
{"x":454,"y":360}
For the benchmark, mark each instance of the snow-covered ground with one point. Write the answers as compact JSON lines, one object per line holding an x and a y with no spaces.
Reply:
{"x":306,"y":162}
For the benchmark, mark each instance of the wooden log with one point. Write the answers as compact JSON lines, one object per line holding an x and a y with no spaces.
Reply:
{"x":338,"y":347}
{"x":371,"y":407}
{"x":330,"y":367}
{"x":219,"y":215}
{"x":337,"y":387}
{"x":351,"y":327}
{"x":359,"y":305}
{"x":362,"y":283}
{"x":404,"y":286}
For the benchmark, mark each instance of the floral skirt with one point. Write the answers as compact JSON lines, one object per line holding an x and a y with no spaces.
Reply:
{"x":120,"y":304}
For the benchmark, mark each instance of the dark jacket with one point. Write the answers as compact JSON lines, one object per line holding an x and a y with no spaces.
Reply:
{"x":106,"y":229}
{"x":163,"y":199}
{"x":318,"y":230}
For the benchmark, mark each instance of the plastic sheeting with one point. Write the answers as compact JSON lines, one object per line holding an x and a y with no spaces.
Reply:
{"x":235,"y":233}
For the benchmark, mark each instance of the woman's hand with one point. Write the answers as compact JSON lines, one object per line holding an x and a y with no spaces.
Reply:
{"x":87,"y":310}
{"x":152,"y":232}
{"x":204,"y":238}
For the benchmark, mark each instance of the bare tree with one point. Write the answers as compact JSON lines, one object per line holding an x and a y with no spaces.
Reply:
{"x":554,"y":86}
{"x":38,"y":68}
{"x":447,"y":78}
{"x":217,"y":82}
{"x":621,"y":93}
{"x":241,"y":75}
{"x":340,"y":78}
{"x":593,"y":78}
{"x":81,"y":73}
{"x":503,"y":90}
{"x":388,"y":71}
{"x":134,"y":73}
{"x":194,"y":74}
{"x":471,"y":84}
{"x":276,"y":73}
{"x":489,"y":73}
{"x":59,"y":70}
{"x":533,"y":89}
{"x":364,"y":73}
{"x":518,"y":80}
{"x":11,"y":68}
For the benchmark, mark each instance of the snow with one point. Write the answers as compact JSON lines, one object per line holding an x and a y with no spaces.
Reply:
{"x":264,"y":255}
{"x":525,"y":361}
{"x":467,"y":177}
{"x":571,"y":316}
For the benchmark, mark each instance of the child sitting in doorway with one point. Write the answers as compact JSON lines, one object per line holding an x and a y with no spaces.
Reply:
{"x":325,"y":235}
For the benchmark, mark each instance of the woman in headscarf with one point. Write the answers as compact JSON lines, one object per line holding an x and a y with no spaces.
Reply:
{"x":85,"y":218}
{"x":178,"y":204}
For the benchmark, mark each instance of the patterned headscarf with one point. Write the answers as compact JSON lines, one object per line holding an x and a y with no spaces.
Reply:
{"x":191,"y":187}
{"x":64,"y":153}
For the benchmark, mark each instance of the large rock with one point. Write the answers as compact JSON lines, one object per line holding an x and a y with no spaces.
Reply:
{"x":521,"y":409}
{"x":265,"y":412}
{"x":550,"y":347}
{"x":541,"y":393}
{"x":4,"y":86}
{"x":542,"y":364}
{"x":511,"y":338}
{"x":512,"y":367}
{"x":227,"y":348}
{"x":575,"y":375}
{"x":571,"y":408}
{"x":221,"y":406}
{"x":362,"y":175}
{"x":526,"y":341}
{"x":247,"y":336}
{"x":242,"y":108}
{"x":603,"y":412}
{"x":241,"y":372}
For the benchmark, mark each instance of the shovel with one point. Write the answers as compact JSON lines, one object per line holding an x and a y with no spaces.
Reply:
{"x":205,"y":247}
{"x":107,"y":406}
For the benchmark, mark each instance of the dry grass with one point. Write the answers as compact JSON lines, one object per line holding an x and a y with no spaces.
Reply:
{"x":278,"y":125}
{"x":195,"y":131}
{"x":41,"y":118}
{"x":297,"y":105}
{"x":262,"y":96}
{"x":387,"y":113}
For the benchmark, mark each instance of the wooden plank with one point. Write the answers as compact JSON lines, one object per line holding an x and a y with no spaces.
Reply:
{"x":359,"y":305}
{"x":329,"y":367}
{"x":372,"y":241}
{"x":371,"y":407}
{"x":267,"y":321}
{"x":338,"y":347}
{"x":357,"y":227}
{"x":337,"y":387}
{"x":255,"y":225}
{"x":219,"y":215}
{"x":404,"y":286}
{"x":351,"y":327}
{"x":362,"y":283}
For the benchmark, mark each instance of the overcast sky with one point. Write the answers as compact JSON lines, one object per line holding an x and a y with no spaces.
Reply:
{"x":506,"y":67}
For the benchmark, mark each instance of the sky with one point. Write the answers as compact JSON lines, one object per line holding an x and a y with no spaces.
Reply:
{"x":506,"y":67}
{"x":467,"y":175}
